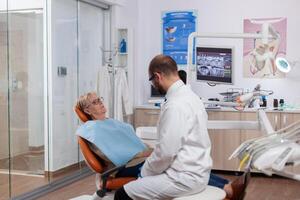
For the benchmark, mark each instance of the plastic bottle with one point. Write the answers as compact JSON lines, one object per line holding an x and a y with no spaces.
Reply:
{"x":123,"y":46}
{"x":264,"y":101}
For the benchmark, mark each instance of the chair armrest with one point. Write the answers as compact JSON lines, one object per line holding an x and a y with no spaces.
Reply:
{"x":104,"y":177}
{"x":112,"y":170}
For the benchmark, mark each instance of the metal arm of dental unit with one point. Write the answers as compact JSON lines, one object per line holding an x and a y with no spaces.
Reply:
{"x":287,"y":140}
{"x":270,"y":147}
{"x":268,"y":153}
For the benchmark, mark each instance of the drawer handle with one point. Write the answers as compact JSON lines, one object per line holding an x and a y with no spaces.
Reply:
{"x":152,"y":113}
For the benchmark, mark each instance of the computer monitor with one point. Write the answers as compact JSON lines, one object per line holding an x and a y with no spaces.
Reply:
{"x":214,"y":64}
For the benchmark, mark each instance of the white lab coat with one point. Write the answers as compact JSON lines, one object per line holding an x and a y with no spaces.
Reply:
{"x":103,"y":88}
{"x":122,"y":99}
{"x":180,"y":163}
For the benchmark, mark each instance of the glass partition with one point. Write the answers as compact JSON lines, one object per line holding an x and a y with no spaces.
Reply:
{"x":26,"y":99}
{"x":21,"y":97}
{"x":63,"y":149}
{"x":78,"y":27}
{"x":42,"y":73}
{"x":4,"y":128}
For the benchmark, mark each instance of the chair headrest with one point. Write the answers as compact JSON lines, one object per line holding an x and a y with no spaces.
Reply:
{"x":82,"y":116}
{"x":89,"y":156}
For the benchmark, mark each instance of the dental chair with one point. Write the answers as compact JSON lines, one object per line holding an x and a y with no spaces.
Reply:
{"x":103,"y":174}
{"x":98,"y":165}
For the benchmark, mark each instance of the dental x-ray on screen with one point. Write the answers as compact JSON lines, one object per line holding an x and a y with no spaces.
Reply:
{"x":214,"y":64}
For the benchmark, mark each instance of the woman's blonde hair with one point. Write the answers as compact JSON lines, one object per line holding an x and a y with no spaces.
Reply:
{"x":83,"y":100}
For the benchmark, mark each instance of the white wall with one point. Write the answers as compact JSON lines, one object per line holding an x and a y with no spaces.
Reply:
{"x":217,"y":16}
{"x":126,"y":17}
{"x":81,"y":72}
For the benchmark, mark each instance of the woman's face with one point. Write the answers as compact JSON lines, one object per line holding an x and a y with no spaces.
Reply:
{"x":95,"y":106}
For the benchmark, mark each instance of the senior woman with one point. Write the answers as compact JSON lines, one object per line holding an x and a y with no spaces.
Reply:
{"x":93,"y":107}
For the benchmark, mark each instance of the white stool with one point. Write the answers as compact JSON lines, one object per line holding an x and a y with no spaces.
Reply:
{"x":210,"y":193}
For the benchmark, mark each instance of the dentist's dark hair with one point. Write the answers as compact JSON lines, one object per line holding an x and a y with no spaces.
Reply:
{"x":163,"y":64}
{"x":182,"y":75}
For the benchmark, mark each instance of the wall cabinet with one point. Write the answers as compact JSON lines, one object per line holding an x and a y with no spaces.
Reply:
{"x":224,"y":142}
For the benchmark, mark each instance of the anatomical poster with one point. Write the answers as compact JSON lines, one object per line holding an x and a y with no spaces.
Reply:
{"x":176,"y":28}
{"x":258,"y":57}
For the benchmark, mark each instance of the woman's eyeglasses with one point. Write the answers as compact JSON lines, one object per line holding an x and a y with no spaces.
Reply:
{"x":98,"y":100}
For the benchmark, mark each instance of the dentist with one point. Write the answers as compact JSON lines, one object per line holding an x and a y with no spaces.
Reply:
{"x":180,"y":163}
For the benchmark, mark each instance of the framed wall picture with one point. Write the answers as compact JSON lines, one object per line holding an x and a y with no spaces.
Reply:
{"x":176,"y":28}
{"x":259,"y":58}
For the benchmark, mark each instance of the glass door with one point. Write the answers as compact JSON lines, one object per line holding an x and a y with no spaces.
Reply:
{"x":26,"y":102}
{"x":35,"y":151}
{"x":4,"y":127}
{"x":91,"y":45}
{"x":94,"y":51}
{"x":22,"y":167}
{"x":77,"y":35}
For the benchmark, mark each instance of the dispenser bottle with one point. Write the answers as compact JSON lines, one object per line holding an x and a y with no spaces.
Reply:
{"x":123,"y":46}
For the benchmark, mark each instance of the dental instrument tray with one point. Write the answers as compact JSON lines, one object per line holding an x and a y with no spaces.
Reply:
{"x":229,"y":93}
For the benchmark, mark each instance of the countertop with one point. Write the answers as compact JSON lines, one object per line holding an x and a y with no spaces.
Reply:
{"x":226,"y":109}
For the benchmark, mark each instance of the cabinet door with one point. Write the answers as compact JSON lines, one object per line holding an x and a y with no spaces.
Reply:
{"x":288,"y":118}
{"x":249,"y":134}
{"x":285,"y":120}
{"x":146,"y":117}
{"x":274,"y":118}
{"x":224,"y":142}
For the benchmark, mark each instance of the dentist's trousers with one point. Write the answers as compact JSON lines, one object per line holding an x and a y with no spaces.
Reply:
{"x":159,"y":187}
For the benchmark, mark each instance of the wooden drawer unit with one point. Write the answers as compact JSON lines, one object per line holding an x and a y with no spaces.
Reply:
{"x":224,"y":142}
{"x":146,"y":117}
{"x":274,"y":118}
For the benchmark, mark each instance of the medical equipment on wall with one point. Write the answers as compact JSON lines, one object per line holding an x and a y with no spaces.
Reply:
{"x":267,"y":33}
{"x":240,"y":99}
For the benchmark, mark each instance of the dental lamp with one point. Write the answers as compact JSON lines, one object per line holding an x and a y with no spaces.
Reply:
{"x":283,"y":65}
{"x":267,"y":33}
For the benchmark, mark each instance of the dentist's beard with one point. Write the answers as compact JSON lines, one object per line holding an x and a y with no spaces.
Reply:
{"x":161,"y":90}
